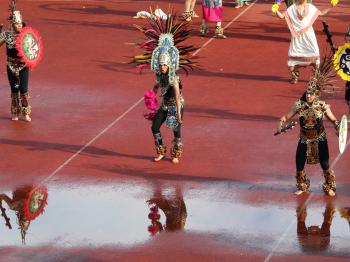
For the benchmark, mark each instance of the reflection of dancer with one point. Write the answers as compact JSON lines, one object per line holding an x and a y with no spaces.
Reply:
{"x":314,"y":238}
{"x":303,"y":49}
{"x":313,"y":145}
{"x":345,"y":213}
{"x":17,"y":71}
{"x":174,"y":209}
{"x":28,"y":202}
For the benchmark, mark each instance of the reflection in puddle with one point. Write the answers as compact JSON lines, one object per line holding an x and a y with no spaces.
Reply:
{"x":27,"y":202}
{"x":173,"y":207}
{"x":314,"y":237}
{"x":133,"y":214}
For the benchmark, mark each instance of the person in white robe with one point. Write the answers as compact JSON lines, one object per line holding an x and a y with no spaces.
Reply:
{"x":303,"y":49}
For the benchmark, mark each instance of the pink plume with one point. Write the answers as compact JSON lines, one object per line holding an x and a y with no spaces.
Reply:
{"x":151,"y":103}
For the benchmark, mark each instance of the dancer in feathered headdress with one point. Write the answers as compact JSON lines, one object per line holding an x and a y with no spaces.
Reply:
{"x":165,"y":56}
{"x":23,"y":51}
{"x":313,"y":145}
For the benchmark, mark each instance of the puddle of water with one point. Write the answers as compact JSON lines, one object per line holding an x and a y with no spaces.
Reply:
{"x":118,"y":214}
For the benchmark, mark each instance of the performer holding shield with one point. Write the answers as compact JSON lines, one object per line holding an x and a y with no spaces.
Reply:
{"x":313,"y":146}
{"x":23,"y":51}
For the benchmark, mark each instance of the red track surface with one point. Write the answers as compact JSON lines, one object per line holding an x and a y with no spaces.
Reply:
{"x":236,"y":178}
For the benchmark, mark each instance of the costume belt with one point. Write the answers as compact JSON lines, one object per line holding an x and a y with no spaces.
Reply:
{"x":15,"y":64}
{"x":172,"y":102}
{"x":312,"y":134}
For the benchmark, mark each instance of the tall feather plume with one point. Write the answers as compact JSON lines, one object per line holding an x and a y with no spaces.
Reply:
{"x":12,"y":8}
{"x":324,"y":76}
{"x":157,"y":26}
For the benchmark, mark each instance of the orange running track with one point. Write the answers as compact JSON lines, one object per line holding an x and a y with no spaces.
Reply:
{"x":89,"y":144}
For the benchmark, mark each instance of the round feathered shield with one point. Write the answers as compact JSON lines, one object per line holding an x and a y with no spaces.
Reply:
{"x":35,"y":202}
{"x":343,"y":134}
{"x":341,"y":61}
{"x":29,"y":46}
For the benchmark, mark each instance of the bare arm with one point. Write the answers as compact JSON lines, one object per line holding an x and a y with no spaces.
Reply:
{"x":8,"y":200}
{"x":285,"y":118}
{"x":279,"y":14}
{"x":178,"y":100}
{"x":332,"y":118}
{"x":324,"y":12}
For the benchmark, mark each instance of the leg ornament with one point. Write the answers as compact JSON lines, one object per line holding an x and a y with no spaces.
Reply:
{"x":303,"y":182}
{"x":160,"y":148}
{"x":329,"y":183}
{"x":15,"y":106}
{"x":219,"y":32}
{"x":176,"y":151}
{"x":295,"y":76}
{"x":203,"y":29}
{"x":187,"y":15}
{"x":26,"y":108}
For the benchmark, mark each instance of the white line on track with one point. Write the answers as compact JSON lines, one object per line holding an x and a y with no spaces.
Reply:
{"x":130,"y":109}
{"x":285,"y":233}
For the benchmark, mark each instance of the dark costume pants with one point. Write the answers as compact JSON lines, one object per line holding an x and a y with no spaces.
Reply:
{"x":323,"y":155}
{"x":303,"y":182}
{"x":158,"y":121}
{"x":19,"y":91}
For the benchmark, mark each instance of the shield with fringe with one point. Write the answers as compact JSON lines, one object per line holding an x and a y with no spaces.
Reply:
{"x":35,"y":202}
{"x":29,"y":46}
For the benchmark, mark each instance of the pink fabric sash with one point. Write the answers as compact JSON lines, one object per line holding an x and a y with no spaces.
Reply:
{"x":212,"y":14}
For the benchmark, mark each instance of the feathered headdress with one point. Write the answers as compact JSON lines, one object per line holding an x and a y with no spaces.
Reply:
{"x":15,"y":15}
{"x":163,"y":44}
{"x":323,"y":77}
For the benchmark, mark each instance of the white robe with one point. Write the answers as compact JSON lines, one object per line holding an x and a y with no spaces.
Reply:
{"x":303,"y":49}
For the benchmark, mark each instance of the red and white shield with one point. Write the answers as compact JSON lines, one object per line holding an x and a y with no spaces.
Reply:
{"x":35,"y":202}
{"x":29,"y":46}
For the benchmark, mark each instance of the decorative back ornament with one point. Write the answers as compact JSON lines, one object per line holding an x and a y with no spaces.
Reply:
{"x":163,"y":44}
{"x":29,"y":46}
